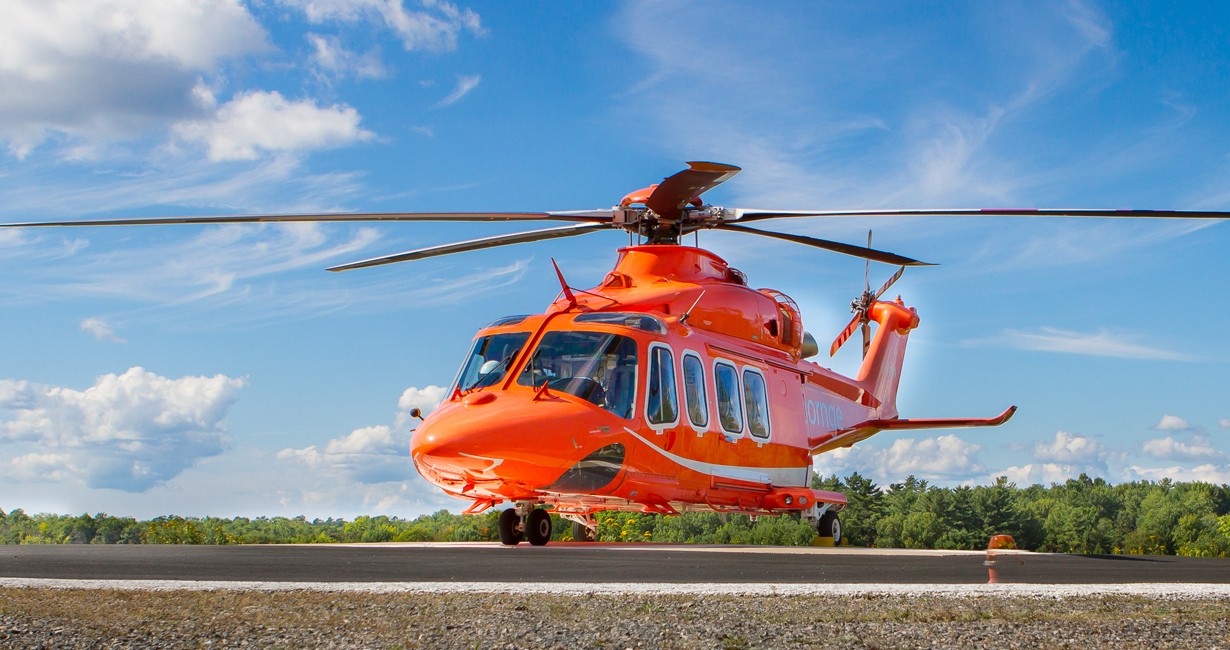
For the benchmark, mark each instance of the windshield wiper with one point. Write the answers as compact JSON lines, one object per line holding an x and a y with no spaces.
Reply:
{"x":479,"y":380}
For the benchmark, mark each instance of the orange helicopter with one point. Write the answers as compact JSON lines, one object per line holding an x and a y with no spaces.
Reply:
{"x":672,"y":386}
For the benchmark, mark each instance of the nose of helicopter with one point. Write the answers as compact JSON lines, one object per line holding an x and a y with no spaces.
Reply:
{"x":506,"y":437}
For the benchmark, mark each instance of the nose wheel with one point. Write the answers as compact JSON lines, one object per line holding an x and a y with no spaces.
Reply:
{"x":583,"y":533}
{"x":536,"y":526}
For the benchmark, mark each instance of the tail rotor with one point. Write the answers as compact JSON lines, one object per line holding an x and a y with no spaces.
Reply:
{"x":861,"y":307}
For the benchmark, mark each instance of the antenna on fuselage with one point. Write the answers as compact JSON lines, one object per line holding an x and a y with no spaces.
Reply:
{"x":688,"y":314}
{"x":572,"y":300}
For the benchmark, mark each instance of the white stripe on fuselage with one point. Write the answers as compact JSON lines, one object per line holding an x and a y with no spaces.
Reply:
{"x":791,"y":476}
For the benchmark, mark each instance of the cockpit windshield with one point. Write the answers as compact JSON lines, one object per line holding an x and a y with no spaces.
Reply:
{"x":489,"y":360}
{"x":596,"y":366}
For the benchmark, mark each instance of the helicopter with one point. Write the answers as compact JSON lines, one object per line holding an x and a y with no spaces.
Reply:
{"x":673,"y":386}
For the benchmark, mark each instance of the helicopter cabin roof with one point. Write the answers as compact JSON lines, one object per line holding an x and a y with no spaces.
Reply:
{"x":672,"y":280}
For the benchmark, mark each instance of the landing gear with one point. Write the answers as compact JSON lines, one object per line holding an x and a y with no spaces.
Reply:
{"x":525,"y":521}
{"x":829,"y":526}
{"x":538,"y":528}
{"x":510,"y":527}
{"x":583,"y":533}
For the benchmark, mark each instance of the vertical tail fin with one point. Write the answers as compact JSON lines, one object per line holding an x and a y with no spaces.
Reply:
{"x":881,"y":369}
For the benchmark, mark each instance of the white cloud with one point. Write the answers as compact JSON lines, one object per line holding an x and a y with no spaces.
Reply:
{"x":376,"y":454}
{"x":1043,"y":473}
{"x":1101,"y":344}
{"x":1196,"y":449}
{"x":242,"y":481}
{"x":100,"y":330}
{"x":111,"y":67}
{"x":434,"y":29}
{"x":331,"y":60}
{"x":1225,"y":424}
{"x":260,"y":120}
{"x":1207,"y":473}
{"x":944,"y":457}
{"x":1171,"y":423}
{"x":40,"y":468}
{"x":1069,"y":448}
{"x":464,"y":85}
{"x":1066,"y":456}
{"x":424,"y":399}
{"x":128,"y":432}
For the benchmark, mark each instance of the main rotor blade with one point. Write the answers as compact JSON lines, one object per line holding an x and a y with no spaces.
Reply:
{"x":836,"y":247}
{"x":474,"y":245}
{"x":590,"y":216}
{"x":676,"y":191}
{"x":757,"y":215}
{"x":891,"y":281}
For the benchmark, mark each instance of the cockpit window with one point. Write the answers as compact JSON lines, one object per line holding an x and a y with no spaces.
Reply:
{"x":644,"y":322}
{"x":596,"y":366}
{"x":489,"y":360}
{"x":507,"y":320}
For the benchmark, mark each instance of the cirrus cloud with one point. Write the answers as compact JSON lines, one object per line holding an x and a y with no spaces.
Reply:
{"x":434,"y":29}
{"x":1101,"y":344}
{"x":464,"y":85}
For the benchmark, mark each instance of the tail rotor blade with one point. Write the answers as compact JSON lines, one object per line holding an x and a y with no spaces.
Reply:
{"x":866,"y":337}
{"x":867,"y":275}
{"x":845,"y":335}
{"x":891,"y":281}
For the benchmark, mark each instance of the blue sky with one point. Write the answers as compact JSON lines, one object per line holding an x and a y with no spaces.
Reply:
{"x":220,"y":370}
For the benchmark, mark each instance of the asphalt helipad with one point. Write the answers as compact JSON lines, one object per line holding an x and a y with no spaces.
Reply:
{"x":590,"y":564}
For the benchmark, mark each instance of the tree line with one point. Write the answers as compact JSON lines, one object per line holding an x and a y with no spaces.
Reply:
{"x":1081,"y":515}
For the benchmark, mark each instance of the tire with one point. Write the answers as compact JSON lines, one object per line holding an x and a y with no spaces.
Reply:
{"x":509,"y":523}
{"x":582,"y":533}
{"x":538,"y":527}
{"x":829,"y":526}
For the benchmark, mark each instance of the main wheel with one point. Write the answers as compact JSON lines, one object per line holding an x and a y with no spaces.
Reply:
{"x":510,"y":527}
{"x":829,"y":526}
{"x":582,"y":533}
{"x":538,"y":527}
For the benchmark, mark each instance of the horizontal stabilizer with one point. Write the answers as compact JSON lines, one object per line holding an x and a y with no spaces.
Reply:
{"x":864,"y":430}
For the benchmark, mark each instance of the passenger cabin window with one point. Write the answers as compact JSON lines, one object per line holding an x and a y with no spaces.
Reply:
{"x":730,"y":413}
{"x":489,"y":360}
{"x":694,"y":391}
{"x":757,"y":403}
{"x":662,"y":405}
{"x":595,"y":366}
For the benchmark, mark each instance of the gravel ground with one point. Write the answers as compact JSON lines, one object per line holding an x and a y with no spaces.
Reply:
{"x":112,"y":618}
